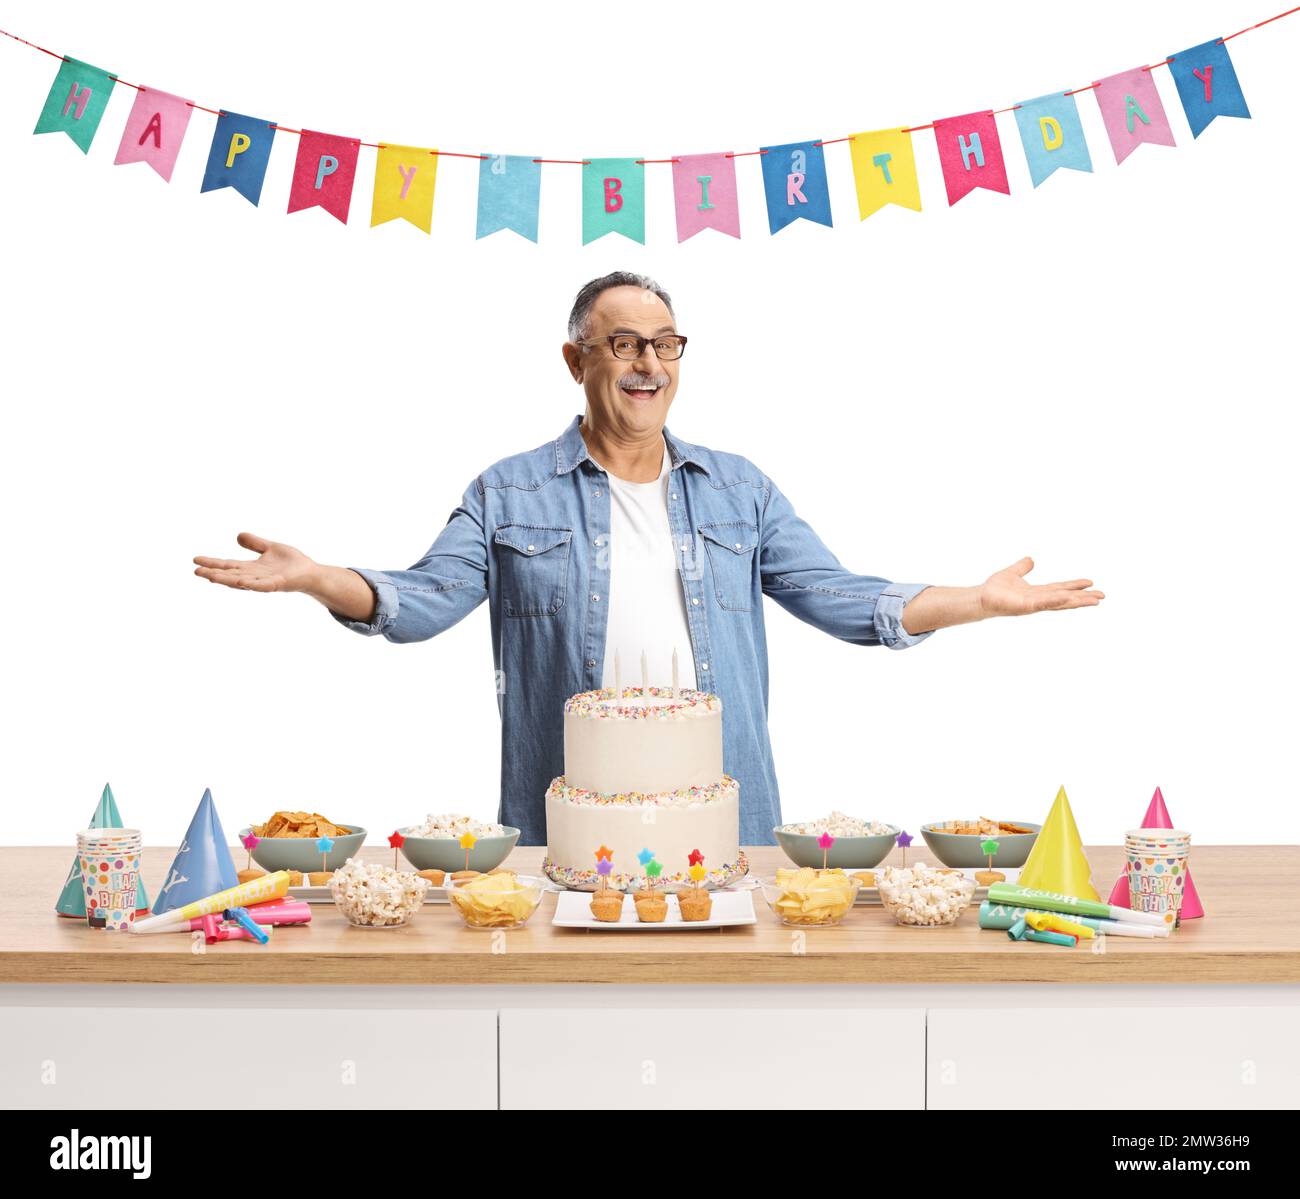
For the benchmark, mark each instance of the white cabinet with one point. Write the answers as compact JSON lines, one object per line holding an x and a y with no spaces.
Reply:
{"x":1125,"y":1057}
{"x":212,"y":1057}
{"x":661,"y":1057}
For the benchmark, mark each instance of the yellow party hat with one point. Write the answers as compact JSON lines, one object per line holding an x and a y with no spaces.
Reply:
{"x":1057,"y":861}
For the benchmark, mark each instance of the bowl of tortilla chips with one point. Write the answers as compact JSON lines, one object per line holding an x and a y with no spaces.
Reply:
{"x":288,"y":842}
{"x":956,"y":843}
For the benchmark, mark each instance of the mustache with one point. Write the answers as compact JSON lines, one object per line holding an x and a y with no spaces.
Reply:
{"x":636,"y":379}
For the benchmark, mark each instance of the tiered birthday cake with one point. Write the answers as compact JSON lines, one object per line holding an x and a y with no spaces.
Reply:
{"x":643,"y":770}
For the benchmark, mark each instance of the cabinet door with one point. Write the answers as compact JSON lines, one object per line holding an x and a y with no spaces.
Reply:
{"x":260,"y":1057}
{"x":1172,"y":1057}
{"x":671,"y":1057}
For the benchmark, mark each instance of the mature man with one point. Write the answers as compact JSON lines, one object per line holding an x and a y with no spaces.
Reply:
{"x":618,"y":537}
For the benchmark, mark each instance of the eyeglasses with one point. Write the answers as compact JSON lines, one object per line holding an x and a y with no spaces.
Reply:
{"x":667,"y":346}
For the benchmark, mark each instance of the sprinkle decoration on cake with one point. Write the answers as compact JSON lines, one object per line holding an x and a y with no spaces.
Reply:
{"x":643,"y":764}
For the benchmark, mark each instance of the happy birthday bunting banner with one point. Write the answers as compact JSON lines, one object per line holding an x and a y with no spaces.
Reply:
{"x":76,"y":102}
{"x":704,"y":194}
{"x":404,"y":181}
{"x":1207,"y":84}
{"x":1052,"y":135}
{"x":794,"y":180}
{"x":240,"y":150}
{"x":970,"y":154}
{"x":154,"y":130}
{"x":1132,"y":112}
{"x":613,"y":199}
{"x":509,"y":193}
{"x":884,"y":171}
{"x":323,"y":173}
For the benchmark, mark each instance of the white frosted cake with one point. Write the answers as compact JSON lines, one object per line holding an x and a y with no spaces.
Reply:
{"x":643,"y":772}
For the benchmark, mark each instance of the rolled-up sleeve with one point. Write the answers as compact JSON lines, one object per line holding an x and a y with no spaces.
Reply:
{"x":442,"y":588}
{"x":802,"y":575}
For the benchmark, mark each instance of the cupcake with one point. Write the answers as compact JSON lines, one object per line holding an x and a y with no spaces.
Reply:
{"x":607,"y":906}
{"x":247,"y":876}
{"x":651,"y":907}
{"x":695,"y":903}
{"x":320,"y":878}
{"x":434,"y":877}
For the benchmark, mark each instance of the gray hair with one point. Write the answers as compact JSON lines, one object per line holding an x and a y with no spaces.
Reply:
{"x":591,"y":292}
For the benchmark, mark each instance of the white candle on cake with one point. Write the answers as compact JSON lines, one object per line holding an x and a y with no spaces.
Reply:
{"x":645,"y":682}
{"x":618,"y":679}
{"x":675,"y":697}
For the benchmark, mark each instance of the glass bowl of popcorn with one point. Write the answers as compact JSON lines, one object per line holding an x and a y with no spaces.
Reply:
{"x":922,"y":896}
{"x":809,"y":898}
{"x":372,"y":895}
{"x":501,"y":899}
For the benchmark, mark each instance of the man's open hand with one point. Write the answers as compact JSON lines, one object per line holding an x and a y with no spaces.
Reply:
{"x":1007,"y":594}
{"x":277,"y":567}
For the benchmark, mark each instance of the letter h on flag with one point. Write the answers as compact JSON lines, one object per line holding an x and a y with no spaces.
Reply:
{"x":970,"y":154}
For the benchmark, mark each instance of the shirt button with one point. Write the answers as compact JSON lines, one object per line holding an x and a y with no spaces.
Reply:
{"x":599,"y":541}
{"x":531,"y":548}
{"x":596,"y":493}
{"x":674,"y":496}
{"x":591,"y":661}
{"x":737,"y":545}
{"x":704,"y":666}
{"x":685,"y":547}
{"x":595,"y":598}
{"x":695,"y":599}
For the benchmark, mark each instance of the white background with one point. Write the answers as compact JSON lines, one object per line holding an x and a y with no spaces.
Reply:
{"x":1099,"y":373}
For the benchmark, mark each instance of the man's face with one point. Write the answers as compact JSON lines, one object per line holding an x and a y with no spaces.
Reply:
{"x":630,"y":397}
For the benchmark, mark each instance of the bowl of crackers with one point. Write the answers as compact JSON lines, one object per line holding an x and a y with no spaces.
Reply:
{"x":956,"y":843}
{"x":288,"y":842}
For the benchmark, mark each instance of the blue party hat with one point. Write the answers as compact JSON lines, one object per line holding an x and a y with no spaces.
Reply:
{"x":72,"y":901}
{"x":202,"y":866}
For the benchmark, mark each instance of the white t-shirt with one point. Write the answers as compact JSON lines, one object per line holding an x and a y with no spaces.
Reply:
{"x":647,"y":609}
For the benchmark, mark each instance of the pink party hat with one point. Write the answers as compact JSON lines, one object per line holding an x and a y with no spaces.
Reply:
{"x":1158,"y":817}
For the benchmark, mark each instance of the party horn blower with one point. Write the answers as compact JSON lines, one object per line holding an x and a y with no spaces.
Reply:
{"x":1071,"y":905}
{"x":396,"y":841}
{"x":250,"y":842}
{"x":323,"y":846}
{"x":467,"y":842}
{"x":258,"y":890}
{"x":904,"y":839}
{"x":824,"y":843}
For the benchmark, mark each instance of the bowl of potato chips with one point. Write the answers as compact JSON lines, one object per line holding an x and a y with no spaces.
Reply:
{"x":500,"y":900}
{"x":809,"y":898}
{"x":288,"y":842}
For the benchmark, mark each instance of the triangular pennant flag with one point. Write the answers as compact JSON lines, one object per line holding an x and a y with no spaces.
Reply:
{"x":1052,"y":135}
{"x":202,"y":866}
{"x":794,"y":180}
{"x":884,"y":170}
{"x":240,"y":150}
{"x":704,"y":194}
{"x":154,"y":130}
{"x":1057,"y":861}
{"x":1207,"y":86}
{"x":1158,"y":817}
{"x":76,"y":102}
{"x":323,"y":173}
{"x":1132,"y":112}
{"x":970,"y":154}
{"x":509,"y":192}
{"x":404,"y":182}
{"x":613,"y":198}
{"x":72,"y":900}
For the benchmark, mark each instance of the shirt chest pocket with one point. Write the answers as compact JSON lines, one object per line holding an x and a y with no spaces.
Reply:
{"x":533,"y":568}
{"x":730,"y":547}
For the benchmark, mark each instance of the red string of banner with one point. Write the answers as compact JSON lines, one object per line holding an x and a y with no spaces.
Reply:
{"x":643,"y":161}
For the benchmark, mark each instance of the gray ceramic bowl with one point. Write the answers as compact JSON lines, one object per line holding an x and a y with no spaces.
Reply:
{"x":445,"y":853}
{"x":301,"y":854}
{"x":848,"y":853}
{"x":961,"y":850}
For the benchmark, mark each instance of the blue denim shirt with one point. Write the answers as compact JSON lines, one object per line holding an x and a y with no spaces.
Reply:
{"x":531,"y":536}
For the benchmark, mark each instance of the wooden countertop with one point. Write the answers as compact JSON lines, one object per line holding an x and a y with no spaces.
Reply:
{"x":1250,"y":935}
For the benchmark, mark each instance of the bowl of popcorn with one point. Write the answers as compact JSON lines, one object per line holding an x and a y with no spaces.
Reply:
{"x":859,"y":844}
{"x":922,"y":896}
{"x":502,"y":899}
{"x":808,"y":898}
{"x":372,"y":895}
{"x":435,"y":844}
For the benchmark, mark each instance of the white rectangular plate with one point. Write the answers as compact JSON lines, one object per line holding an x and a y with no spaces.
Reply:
{"x":573,"y":910}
